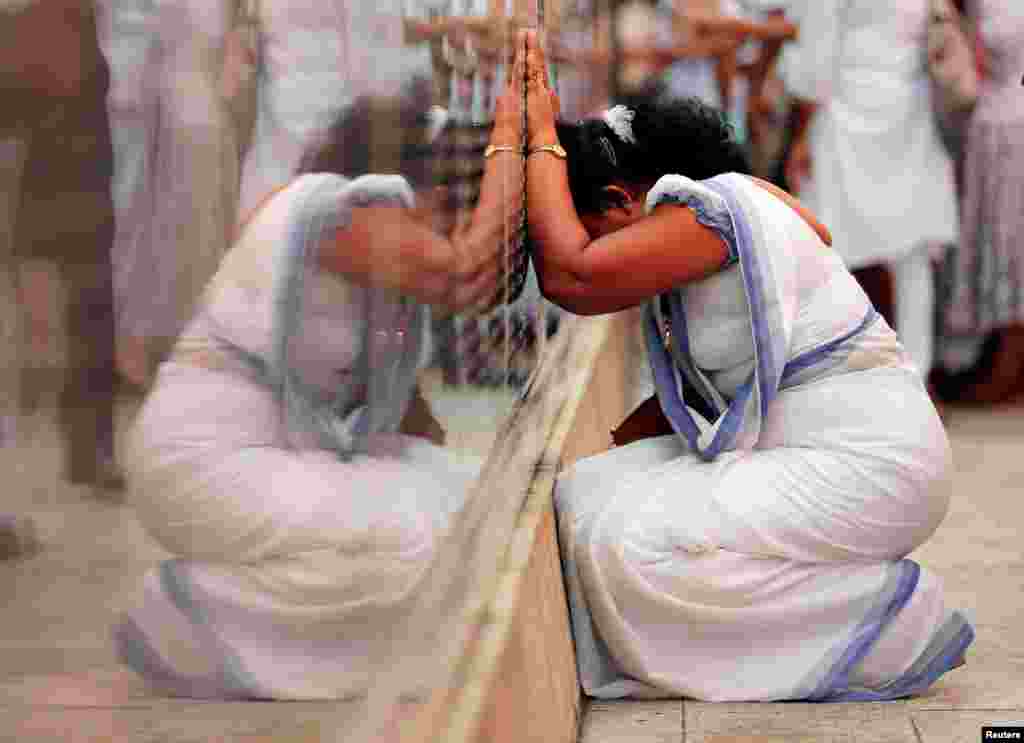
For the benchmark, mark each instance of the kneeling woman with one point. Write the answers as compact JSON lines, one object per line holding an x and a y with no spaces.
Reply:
{"x":284,"y":454}
{"x":758,"y":551}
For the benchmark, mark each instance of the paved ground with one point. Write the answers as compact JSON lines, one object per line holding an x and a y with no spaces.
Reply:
{"x":59,"y":680}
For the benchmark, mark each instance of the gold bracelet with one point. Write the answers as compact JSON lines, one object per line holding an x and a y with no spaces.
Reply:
{"x":493,"y":149}
{"x":555,"y":149}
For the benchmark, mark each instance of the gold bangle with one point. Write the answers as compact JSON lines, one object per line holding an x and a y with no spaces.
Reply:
{"x":555,"y":149}
{"x":493,"y":149}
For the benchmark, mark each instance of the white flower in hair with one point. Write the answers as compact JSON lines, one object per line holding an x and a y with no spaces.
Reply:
{"x":620,"y":120}
{"x":437,"y":119}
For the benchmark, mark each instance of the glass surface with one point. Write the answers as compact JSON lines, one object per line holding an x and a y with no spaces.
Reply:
{"x":286,"y":489}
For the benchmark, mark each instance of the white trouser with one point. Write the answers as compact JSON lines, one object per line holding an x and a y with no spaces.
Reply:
{"x":914,"y":289}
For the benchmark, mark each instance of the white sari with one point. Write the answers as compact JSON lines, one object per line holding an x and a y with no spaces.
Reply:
{"x":759,"y":554}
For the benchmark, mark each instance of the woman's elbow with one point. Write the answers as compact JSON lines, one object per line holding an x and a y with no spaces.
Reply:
{"x":581,"y":297}
{"x":575,"y":301}
{"x":582,"y":307}
{"x":558,"y":289}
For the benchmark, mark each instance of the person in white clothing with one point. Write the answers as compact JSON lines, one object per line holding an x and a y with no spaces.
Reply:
{"x":316,"y":57}
{"x":867,"y":157}
{"x":747,"y":540}
{"x":284,"y":454}
{"x":181,"y":216}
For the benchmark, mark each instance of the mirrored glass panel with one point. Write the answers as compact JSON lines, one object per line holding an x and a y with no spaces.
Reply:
{"x":269,"y":307}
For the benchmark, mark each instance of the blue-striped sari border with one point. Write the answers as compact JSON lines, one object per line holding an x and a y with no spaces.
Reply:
{"x":236,"y":680}
{"x":754,"y":281}
{"x":663,"y":370}
{"x":817,"y":355}
{"x":136,"y":651}
{"x":894,"y":597}
{"x":729,"y":422}
{"x":942,"y":655}
{"x":740,"y":242}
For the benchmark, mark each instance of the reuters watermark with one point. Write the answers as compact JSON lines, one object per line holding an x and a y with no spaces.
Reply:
{"x":1002,"y":732}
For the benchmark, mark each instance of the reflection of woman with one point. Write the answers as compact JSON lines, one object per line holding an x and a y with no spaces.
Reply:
{"x":280,"y":454}
{"x":757,"y":552}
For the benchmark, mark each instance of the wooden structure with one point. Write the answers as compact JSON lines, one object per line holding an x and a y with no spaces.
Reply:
{"x":513,"y":677}
{"x":516,"y":678}
{"x":531,"y":691}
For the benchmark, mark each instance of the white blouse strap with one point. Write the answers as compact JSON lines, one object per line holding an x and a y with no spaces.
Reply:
{"x":678,"y":189}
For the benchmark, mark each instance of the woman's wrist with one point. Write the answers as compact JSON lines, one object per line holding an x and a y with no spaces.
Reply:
{"x":544,"y":136}
{"x":506,"y":137}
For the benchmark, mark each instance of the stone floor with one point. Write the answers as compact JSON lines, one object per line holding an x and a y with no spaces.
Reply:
{"x":979,"y":551}
{"x":59,"y":680}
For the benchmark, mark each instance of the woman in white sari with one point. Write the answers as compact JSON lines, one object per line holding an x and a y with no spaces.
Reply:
{"x":283,"y":453}
{"x":757,"y":551}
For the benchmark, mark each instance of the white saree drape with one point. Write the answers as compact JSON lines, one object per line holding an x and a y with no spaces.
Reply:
{"x":759,"y":554}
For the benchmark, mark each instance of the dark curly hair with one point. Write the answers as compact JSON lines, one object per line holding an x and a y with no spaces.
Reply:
{"x":683,"y":136}
{"x":378,"y":134}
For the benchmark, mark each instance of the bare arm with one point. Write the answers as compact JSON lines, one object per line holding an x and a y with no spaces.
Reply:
{"x":726,"y":70}
{"x":619,"y":270}
{"x":771,"y":47}
{"x":663,"y":56}
{"x":658,"y":253}
{"x":804,"y":114}
{"x":654,"y":254}
{"x":626,"y":268}
{"x":397,"y":249}
{"x":775,"y":28}
{"x":400,"y":250}
{"x":799,"y":165}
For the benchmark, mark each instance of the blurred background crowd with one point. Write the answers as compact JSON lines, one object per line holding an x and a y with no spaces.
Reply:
{"x":135,"y":134}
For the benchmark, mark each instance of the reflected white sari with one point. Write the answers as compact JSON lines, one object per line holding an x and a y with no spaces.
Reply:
{"x":760,"y":553}
{"x":267,"y":458}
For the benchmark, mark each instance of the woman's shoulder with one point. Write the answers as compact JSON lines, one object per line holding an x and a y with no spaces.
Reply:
{"x":330,"y":191}
{"x":679,"y":189}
